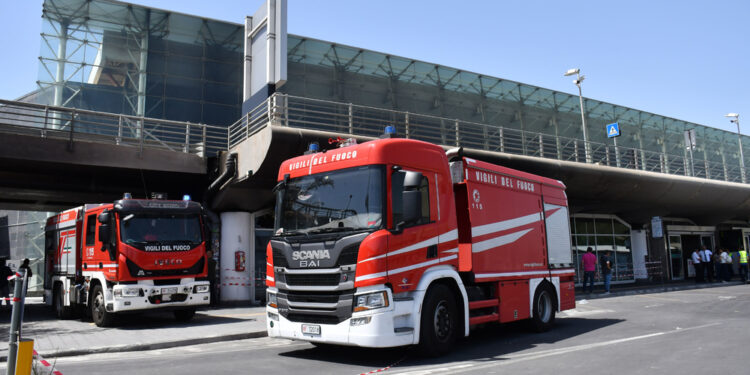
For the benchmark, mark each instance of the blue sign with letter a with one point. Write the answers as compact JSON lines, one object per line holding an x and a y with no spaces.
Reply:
{"x":613,"y":130}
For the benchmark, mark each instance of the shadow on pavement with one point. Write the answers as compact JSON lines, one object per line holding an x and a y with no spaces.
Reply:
{"x":484,"y":343}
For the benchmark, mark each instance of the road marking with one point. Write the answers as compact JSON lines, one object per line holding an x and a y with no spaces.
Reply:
{"x":577,"y":313}
{"x":661,"y":298}
{"x":512,"y":359}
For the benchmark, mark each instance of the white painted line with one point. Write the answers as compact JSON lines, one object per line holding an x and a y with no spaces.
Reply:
{"x":512,"y":359}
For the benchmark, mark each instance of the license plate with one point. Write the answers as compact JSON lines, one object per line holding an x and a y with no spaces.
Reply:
{"x":311,"y":329}
{"x":169,"y":290}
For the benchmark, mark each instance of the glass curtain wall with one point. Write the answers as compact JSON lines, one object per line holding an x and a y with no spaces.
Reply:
{"x":325,"y":70}
{"x":602,"y":234}
{"x":22,"y":236}
{"x":121,"y":58}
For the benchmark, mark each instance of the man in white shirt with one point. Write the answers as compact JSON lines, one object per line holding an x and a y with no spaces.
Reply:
{"x":698,"y":266}
{"x":708,"y":262}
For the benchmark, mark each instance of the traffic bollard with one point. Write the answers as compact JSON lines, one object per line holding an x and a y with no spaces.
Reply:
{"x":15,"y":320}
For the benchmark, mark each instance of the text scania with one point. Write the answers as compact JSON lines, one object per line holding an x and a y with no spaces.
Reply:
{"x":310,"y":258}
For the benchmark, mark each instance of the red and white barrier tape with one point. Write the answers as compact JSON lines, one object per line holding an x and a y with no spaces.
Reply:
{"x":47,"y":365}
{"x":386,"y":368}
{"x":11,"y":277}
{"x":11,"y":299}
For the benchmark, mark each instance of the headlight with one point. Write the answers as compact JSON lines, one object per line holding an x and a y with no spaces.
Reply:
{"x":364,"y":302}
{"x":128,"y":292}
{"x":202,"y":288}
{"x":271,"y":299}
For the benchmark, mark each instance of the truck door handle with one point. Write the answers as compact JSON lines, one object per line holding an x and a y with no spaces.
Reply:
{"x":432,"y":251}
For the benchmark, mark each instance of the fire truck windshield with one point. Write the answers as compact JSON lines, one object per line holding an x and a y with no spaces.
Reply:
{"x":347,"y":199}
{"x":140,"y":229}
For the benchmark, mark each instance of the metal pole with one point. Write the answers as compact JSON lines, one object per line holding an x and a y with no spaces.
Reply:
{"x":617,"y":154}
{"x":15,"y":321}
{"x":586,"y":145}
{"x":742,"y":157}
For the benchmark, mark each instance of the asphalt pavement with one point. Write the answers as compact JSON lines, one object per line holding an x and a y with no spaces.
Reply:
{"x":690,"y":331}
{"x":55,"y":338}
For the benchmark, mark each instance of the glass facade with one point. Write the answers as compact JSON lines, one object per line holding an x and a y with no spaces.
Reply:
{"x":325,"y":70}
{"x":122,"y":58}
{"x":22,"y":236}
{"x":602,"y":234}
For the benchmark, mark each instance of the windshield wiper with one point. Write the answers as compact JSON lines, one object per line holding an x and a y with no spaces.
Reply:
{"x":293,"y":233}
{"x":331,"y":230}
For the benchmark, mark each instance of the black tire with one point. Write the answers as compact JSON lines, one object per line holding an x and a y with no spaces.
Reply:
{"x":99,"y":313}
{"x":184,"y":315}
{"x":62,"y":311}
{"x":543,"y":316}
{"x":439,"y":322}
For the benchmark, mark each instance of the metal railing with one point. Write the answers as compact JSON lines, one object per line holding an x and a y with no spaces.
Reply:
{"x":299,"y":112}
{"x":292,"y":111}
{"x":83,"y":125}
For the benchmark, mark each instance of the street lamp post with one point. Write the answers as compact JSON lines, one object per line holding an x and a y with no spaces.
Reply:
{"x":735,"y":118}
{"x":577,"y":81}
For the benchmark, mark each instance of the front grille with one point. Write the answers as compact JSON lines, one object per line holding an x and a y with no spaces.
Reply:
{"x":279,"y":260}
{"x":311,"y":297}
{"x":324,"y":279}
{"x":349,"y":255}
{"x":314,"y":319}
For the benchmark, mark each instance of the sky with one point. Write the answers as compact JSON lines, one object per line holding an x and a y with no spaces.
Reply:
{"x":684,"y":59}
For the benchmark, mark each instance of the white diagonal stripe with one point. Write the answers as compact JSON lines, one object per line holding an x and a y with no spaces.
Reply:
{"x":498,"y":241}
{"x":407,"y":268}
{"x":505,"y":225}
{"x":445,"y":237}
{"x":449,"y":236}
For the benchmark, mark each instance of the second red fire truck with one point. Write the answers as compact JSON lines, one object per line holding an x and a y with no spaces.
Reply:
{"x":130,"y":255}
{"x":394,"y":242}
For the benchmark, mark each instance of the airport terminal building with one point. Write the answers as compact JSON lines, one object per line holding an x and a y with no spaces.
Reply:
{"x":650,"y":200}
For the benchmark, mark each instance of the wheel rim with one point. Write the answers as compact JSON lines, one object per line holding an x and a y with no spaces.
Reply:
{"x":98,"y":306}
{"x":442,"y":321}
{"x":544,"y":307}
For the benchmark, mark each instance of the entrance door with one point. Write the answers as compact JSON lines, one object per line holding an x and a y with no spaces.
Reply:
{"x":675,"y":257}
{"x":690,"y":243}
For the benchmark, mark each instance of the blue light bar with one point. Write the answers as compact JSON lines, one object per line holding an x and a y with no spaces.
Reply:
{"x":390,"y":129}
{"x":186,"y":197}
{"x":127,"y":196}
{"x":314,"y":147}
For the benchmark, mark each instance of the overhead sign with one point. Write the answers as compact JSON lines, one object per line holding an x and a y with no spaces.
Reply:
{"x":613,"y":130}
{"x":690,"y":143}
{"x":657,"y":231}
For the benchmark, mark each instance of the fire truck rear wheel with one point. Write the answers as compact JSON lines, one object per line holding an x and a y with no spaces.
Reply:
{"x":99,"y":313}
{"x":62,"y":311}
{"x":439,"y":321}
{"x":184,"y":315}
{"x":544,"y":308}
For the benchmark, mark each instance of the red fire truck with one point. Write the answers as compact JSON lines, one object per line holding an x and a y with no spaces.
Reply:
{"x":130,"y":255}
{"x":395,"y":242}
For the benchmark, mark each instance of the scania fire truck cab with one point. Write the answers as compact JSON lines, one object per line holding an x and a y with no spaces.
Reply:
{"x":130,"y":255}
{"x":390,"y":243}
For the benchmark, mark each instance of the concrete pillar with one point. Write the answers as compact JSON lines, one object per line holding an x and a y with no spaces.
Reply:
{"x":237,"y":257}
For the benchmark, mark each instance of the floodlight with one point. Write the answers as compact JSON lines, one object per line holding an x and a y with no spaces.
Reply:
{"x":570,"y":72}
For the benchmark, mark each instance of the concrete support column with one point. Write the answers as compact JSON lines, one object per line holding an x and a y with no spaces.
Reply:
{"x":237,"y":257}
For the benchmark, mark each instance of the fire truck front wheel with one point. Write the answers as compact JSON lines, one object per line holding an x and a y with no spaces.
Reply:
{"x":439,"y":321}
{"x":544,"y":308}
{"x":99,"y":313}
{"x":62,"y":311}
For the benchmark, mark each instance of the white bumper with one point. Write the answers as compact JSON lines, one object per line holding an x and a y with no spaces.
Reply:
{"x":387,"y":327}
{"x":152,"y":296}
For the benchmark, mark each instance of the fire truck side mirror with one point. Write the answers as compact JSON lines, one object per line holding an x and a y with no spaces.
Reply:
{"x":103,"y":217}
{"x":105,"y":229}
{"x":407,"y":199}
{"x":412,"y":206}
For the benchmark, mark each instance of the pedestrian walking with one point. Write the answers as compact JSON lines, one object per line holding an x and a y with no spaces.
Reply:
{"x":25,"y":265}
{"x":606,"y":267}
{"x":743,"y":264}
{"x":696,"y":258}
{"x":589,"y":268}
{"x":725,"y":264}
{"x":707,"y":260}
{"x":5,"y":272}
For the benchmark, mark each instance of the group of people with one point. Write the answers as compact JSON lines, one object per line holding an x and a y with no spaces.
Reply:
{"x":715,"y":267}
{"x":589,"y":269}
